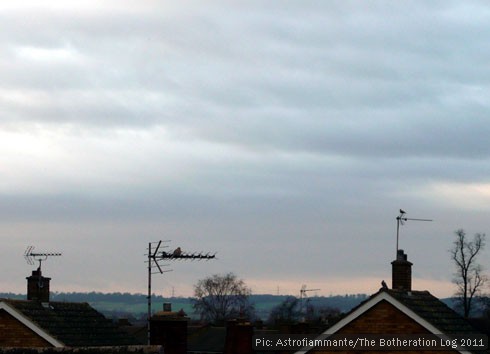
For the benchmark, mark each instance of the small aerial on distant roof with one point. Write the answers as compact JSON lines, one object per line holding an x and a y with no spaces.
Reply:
{"x":383,"y":284}
{"x":177,"y":252}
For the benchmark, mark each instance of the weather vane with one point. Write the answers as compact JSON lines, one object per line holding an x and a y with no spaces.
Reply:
{"x":30,"y":256}
{"x":400,"y":219}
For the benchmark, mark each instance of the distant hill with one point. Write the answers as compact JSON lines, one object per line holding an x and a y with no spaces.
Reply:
{"x":265,"y":303}
{"x":134,"y":306}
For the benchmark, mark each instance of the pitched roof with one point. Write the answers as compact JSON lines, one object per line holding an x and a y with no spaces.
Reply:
{"x":67,"y":323}
{"x":420,"y":306}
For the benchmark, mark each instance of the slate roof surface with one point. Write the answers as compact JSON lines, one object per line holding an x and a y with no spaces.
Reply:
{"x":73,"y":324}
{"x":433,"y":311}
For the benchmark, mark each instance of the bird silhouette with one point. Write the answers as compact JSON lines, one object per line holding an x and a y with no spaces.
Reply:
{"x":177,"y":252}
{"x":383,"y":284}
{"x":402,"y":211}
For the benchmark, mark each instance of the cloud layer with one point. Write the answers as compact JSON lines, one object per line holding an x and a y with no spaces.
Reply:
{"x":284,"y":135}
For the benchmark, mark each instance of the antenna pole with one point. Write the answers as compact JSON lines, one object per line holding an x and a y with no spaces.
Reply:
{"x":397,"y":233}
{"x":149,"y":291}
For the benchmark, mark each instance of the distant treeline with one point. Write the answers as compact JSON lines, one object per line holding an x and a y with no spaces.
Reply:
{"x":342,"y":302}
{"x":93,"y":296}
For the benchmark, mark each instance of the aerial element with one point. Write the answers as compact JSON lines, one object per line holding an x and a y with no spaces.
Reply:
{"x":400,"y":221}
{"x":30,"y":256}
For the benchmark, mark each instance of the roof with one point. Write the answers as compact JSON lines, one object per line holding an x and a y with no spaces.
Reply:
{"x":67,"y":323}
{"x":420,"y":306}
{"x":433,"y":310}
{"x":206,"y":339}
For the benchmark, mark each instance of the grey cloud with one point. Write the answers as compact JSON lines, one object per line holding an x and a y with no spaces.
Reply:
{"x":278,"y":118}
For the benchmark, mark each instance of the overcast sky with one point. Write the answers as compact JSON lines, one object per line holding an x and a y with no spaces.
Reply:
{"x":283,"y":135}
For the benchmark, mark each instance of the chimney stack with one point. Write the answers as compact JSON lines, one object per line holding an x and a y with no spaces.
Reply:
{"x":38,"y":287}
{"x":239,"y":335}
{"x":169,"y":329}
{"x":401,"y":272}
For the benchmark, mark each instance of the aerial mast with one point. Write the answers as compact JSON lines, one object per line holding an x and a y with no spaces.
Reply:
{"x":303,"y":296}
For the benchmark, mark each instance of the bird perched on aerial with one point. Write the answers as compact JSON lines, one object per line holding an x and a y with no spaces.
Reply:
{"x":402,"y":211}
{"x":383,"y":284}
{"x":177,"y":252}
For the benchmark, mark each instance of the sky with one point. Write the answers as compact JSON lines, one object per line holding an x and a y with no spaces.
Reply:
{"x":283,"y":135}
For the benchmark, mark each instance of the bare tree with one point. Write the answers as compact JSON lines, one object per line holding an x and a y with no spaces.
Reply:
{"x":290,"y":310}
{"x":468,"y":276}
{"x":222,"y":297}
{"x":287,"y":311}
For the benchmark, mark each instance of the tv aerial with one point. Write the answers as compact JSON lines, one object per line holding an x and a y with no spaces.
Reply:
{"x":303,"y":291}
{"x":400,"y":220}
{"x":31,"y":256}
{"x":303,"y":298}
{"x":156,"y":255}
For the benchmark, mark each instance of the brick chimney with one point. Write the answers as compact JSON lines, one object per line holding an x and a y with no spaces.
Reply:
{"x":38,"y":287}
{"x":239,"y":335}
{"x":401,"y":272}
{"x":169,"y":329}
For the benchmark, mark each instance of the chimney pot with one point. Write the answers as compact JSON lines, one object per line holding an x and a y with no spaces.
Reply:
{"x":401,"y":256}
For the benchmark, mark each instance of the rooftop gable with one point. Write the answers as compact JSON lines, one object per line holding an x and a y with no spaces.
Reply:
{"x":371,"y":302}
{"x":69,"y":324}
{"x":420,"y":306}
{"x":12,"y":311}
